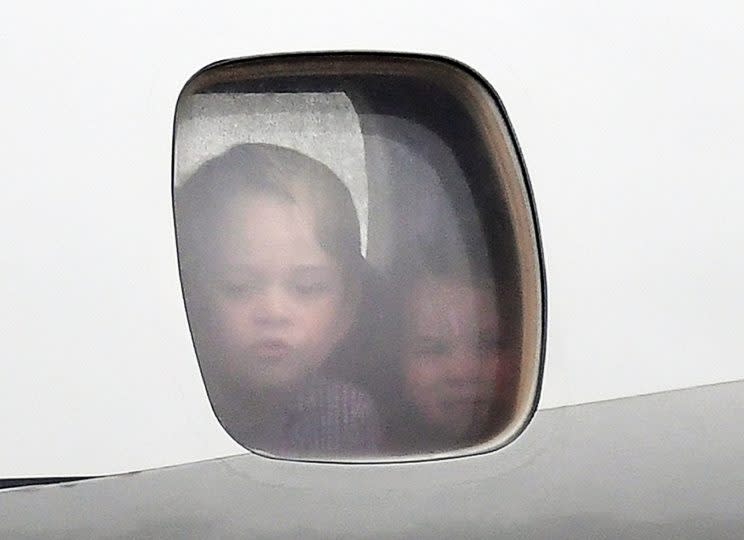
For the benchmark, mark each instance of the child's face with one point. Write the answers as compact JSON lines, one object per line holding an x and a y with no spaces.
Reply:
{"x":277,"y":297}
{"x":455,"y":366}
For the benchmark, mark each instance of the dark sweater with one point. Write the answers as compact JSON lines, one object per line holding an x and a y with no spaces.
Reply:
{"x":323,"y":418}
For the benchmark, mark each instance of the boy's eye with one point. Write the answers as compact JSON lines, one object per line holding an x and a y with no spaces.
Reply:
{"x":489,"y":344}
{"x":310,"y":288}
{"x":494,"y":344}
{"x":431,"y":348}
{"x":310,"y":282}
{"x":239,"y":289}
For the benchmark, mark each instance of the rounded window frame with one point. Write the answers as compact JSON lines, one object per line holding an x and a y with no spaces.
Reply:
{"x":483,"y":104}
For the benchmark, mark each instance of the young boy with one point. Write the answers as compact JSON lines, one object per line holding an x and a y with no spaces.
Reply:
{"x":459,"y":365}
{"x":270,"y":258}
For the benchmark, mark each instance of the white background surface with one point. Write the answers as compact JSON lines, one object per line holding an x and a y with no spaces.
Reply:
{"x":630,"y":120}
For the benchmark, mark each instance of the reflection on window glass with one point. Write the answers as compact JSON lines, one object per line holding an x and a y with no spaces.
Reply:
{"x":354,"y":280}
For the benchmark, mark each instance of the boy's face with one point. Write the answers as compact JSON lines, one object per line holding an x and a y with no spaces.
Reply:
{"x":455,"y":366}
{"x":277,"y":298}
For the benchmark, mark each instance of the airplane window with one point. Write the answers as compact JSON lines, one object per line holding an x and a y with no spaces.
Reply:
{"x":359,"y":257}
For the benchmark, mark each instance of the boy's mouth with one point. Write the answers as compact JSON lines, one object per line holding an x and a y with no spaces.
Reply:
{"x":272,"y":348}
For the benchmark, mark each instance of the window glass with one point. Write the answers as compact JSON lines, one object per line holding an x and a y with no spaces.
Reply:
{"x":359,"y":257}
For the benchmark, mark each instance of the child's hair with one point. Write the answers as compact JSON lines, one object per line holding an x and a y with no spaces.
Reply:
{"x":268,"y":169}
{"x":471,"y":263}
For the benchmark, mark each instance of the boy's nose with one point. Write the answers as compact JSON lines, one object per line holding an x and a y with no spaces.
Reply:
{"x":465,"y":365}
{"x":272,"y":308}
